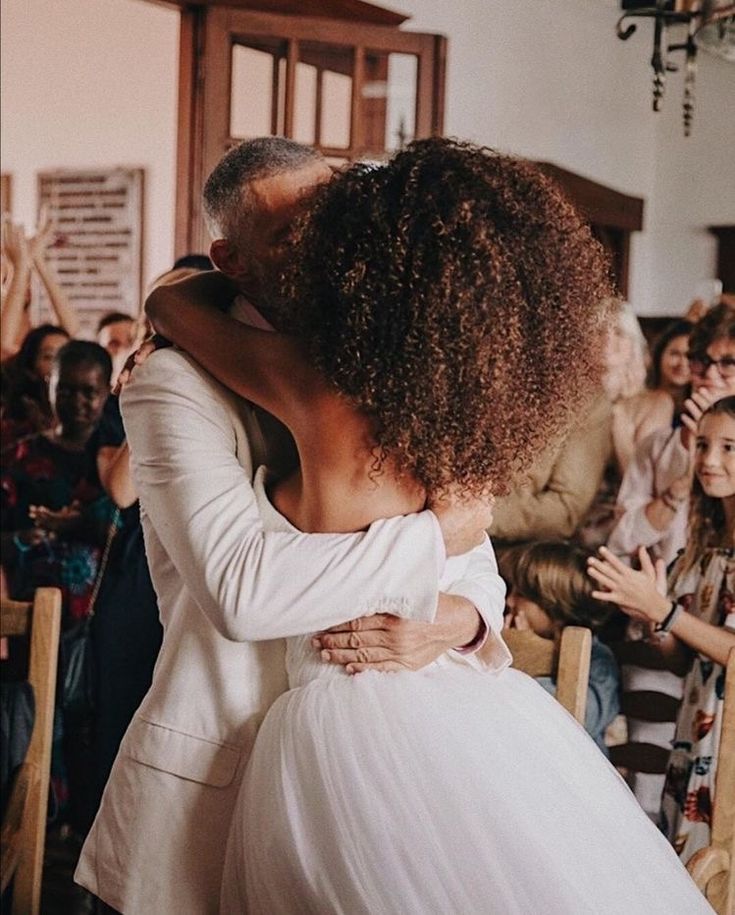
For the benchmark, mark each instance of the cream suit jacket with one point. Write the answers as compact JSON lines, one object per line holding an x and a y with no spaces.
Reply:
{"x":227,"y":594}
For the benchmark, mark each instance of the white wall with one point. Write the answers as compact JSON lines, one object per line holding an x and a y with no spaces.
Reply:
{"x":551,"y":81}
{"x":93,"y":82}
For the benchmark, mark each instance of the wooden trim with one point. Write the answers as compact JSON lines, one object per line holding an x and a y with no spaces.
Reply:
{"x":318,"y":104}
{"x":347,"y":10}
{"x":292,"y":58}
{"x":188,"y":141}
{"x":601,"y":204}
{"x":441,"y":50}
{"x":357,"y":134}
{"x":247,"y":24}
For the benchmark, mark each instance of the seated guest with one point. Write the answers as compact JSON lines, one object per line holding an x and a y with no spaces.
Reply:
{"x":559,"y":489}
{"x":637,"y":411}
{"x":550,"y":589}
{"x":55,"y":520}
{"x":669,"y":370}
{"x":652,"y":503}
{"x":652,"y":511}
{"x":692,"y":617}
{"x":26,"y":408}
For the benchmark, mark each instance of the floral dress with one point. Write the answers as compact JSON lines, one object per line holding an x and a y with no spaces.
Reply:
{"x":37,"y":471}
{"x":707,"y":591}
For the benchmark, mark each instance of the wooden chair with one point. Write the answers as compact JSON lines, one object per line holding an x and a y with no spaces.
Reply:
{"x":569,"y":661}
{"x":24,"y":824}
{"x":712,"y":868}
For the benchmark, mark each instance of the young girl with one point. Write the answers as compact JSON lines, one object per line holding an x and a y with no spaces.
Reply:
{"x":551,"y":590}
{"x":698,"y":625}
{"x":438,"y":301}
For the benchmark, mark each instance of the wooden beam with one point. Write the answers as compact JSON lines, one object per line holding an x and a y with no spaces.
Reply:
{"x":602,"y":205}
{"x":349,"y":10}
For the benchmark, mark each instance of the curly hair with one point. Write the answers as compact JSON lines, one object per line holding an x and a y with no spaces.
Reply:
{"x":458,"y":298}
{"x":707,"y":525}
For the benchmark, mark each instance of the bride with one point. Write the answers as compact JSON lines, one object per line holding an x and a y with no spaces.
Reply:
{"x":443,"y":314}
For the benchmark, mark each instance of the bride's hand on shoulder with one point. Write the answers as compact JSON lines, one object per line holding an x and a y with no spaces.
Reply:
{"x":463,"y":521}
{"x":138,"y":357}
{"x":390,"y":643}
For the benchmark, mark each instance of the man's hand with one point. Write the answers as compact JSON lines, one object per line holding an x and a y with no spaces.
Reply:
{"x":389,"y":643}
{"x":463,"y":522}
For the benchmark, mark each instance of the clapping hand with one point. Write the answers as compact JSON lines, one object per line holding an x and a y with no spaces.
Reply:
{"x":641,"y":594}
{"x":55,"y":521}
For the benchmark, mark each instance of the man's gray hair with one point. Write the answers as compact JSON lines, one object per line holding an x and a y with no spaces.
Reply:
{"x":227,"y":203}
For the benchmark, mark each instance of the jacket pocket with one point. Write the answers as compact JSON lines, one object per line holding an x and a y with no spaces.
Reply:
{"x":185,"y":755}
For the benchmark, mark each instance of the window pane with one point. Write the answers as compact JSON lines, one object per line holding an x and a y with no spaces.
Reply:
{"x":389,"y":100}
{"x":336,"y":108}
{"x":251,"y":92}
{"x":304,"y":121}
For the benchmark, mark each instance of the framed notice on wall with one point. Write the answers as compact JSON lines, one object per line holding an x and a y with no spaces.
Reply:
{"x":97,"y":256}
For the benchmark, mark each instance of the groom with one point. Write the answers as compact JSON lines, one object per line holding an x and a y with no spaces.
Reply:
{"x":226,"y":591}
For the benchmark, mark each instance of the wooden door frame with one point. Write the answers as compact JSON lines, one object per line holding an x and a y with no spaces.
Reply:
{"x":205,"y":65}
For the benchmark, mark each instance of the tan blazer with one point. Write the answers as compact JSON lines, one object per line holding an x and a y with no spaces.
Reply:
{"x":559,"y":489}
{"x":227,"y":594}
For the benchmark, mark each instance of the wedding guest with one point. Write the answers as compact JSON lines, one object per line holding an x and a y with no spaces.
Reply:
{"x":117,"y":333}
{"x":556,"y":493}
{"x":669,"y":370}
{"x":55,"y":520}
{"x":652,"y":502}
{"x":692,"y":614}
{"x":26,"y":407}
{"x":652,"y":511}
{"x":551,"y":590}
{"x":24,"y":256}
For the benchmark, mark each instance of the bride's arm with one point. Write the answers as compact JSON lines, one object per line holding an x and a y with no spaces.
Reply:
{"x":263,"y":366}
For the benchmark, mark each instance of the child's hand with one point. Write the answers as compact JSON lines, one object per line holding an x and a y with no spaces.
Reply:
{"x":639,"y":593}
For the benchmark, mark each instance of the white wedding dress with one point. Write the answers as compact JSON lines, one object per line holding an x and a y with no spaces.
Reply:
{"x":448,"y":790}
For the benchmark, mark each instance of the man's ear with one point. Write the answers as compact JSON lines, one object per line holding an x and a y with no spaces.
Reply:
{"x":228,"y":260}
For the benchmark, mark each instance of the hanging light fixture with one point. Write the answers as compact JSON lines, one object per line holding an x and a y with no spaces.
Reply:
{"x":710,"y":25}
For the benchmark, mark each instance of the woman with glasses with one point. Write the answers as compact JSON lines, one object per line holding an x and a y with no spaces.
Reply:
{"x":652,"y":503}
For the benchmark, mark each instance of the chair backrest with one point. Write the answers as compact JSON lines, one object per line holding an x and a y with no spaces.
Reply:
{"x":713,"y":868}
{"x":569,"y":662}
{"x":24,"y":825}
